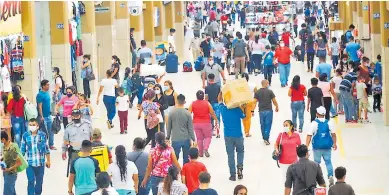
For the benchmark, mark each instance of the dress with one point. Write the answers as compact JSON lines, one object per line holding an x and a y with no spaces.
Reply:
{"x":5,"y":79}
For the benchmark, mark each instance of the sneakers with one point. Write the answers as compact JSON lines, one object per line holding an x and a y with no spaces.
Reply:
{"x":333,"y":116}
{"x":240,"y":172}
{"x":217,"y":136}
{"x":266,"y":142}
{"x":130,"y":105}
{"x":300,"y":130}
{"x":53,"y":148}
{"x":331,"y":181}
{"x":109,"y":124}
{"x":232,"y":178}
{"x":206,"y":153}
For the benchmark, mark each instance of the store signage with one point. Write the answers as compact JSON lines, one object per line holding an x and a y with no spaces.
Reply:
{"x":376,"y":15}
{"x":122,"y":5}
{"x":60,"y":26}
{"x":386,"y":25}
{"x":9,"y":9}
{"x":26,"y":38}
{"x":366,"y":7}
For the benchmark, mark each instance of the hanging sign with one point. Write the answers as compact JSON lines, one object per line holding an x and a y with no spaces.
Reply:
{"x":376,"y":15}
{"x":386,"y":25}
{"x":60,"y":26}
{"x":26,"y":38}
{"x":10,"y":17}
{"x":9,"y":9}
{"x":366,"y":7}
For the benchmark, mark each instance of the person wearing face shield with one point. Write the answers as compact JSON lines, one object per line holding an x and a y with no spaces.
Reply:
{"x":37,"y":159}
{"x":75,"y":132}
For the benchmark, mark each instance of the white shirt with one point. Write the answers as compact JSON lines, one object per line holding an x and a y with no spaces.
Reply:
{"x":315,"y":125}
{"x":337,"y":80}
{"x":361,"y":88}
{"x":123,"y":103}
{"x":109,"y":86}
{"x":110,"y":190}
{"x":171,"y":41}
{"x":6,"y":79}
{"x":117,"y":183}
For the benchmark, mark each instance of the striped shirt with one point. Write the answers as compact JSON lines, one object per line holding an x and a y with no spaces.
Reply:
{"x":348,"y":81}
{"x":177,"y":188}
{"x":34,"y":148}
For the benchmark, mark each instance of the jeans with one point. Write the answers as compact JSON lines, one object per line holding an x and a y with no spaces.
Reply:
{"x":18,"y":128}
{"x":302,"y":56}
{"x":268,"y":72}
{"x":217,"y":61}
{"x":9,"y":183}
{"x":109,"y":102}
{"x":284,"y":73}
{"x":266,"y":120}
{"x":215,"y":107}
{"x":338,"y":107}
{"x":250,"y":65}
{"x":310,"y":59}
{"x":184,"y":145}
{"x":48,"y":124}
{"x":203,"y":135}
{"x":257,"y":61}
{"x":35,"y":179}
{"x":205,"y":60}
{"x":85,"y":84}
{"x":377,"y":102}
{"x":142,"y":190}
{"x":335,"y":61}
{"x":332,"y":110}
{"x":326,"y":154}
{"x":349,"y":110}
{"x":133,"y":60}
{"x":153,"y":184}
{"x":295,"y":30}
{"x":234,"y":144}
{"x":298,"y":108}
{"x":126,"y":192}
{"x":138,"y":94}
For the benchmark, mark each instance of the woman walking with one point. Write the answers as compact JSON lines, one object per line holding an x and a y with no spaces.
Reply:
{"x":202,"y":125}
{"x":150,"y":109}
{"x":115,"y":68}
{"x":297,"y":92}
{"x":163,"y":105}
{"x":86,"y":68}
{"x":327,"y":90}
{"x":170,"y":96}
{"x":321,"y":45}
{"x":171,"y":185}
{"x":108,"y":87}
{"x":310,"y":49}
{"x":16,"y":108}
{"x":257,"y":49}
{"x":67,"y":102}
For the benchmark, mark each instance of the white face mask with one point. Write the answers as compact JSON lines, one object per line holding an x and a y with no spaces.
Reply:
{"x":286,"y":129}
{"x":164,"y":88}
{"x":344,"y":61}
{"x":157,"y":91}
{"x":211,"y":62}
{"x":32,"y":128}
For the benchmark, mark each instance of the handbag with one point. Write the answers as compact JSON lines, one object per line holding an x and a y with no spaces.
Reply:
{"x":90,"y":75}
{"x":56,"y":126}
{"x":24,"y":164}
{"x":276,"y":156}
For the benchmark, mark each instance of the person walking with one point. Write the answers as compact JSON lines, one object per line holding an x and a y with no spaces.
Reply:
{"x":323,"y":138}
{"x":240,"y":55}
{"x":67,"y":102}
{"x":335,"y":82}
{"x":352,"y":51}
{"x":215,"y":69}
{"x":16,"y":108}
{"x":310,"y":50}
{"x":107,"y":87}
{"x":328,"y":91}
{"x":315,"y":98}
{"x":150,"y":110}
{"x":303,"y":35}
{"x":268,"y":63}
{"x":265,"y":97}
{"x":171,"y":185}
{"x":133,"y":47}
{"x":218,"y":51}
{"x":36,"y":151}
{"x":86,"y":68}
{"x":345,"y":88}
{"x":194,"y":46}
{"x":201,"y":110}
{"x":297,"y":92}
{"x":139,"y":157}
{"x":249,"y":107}
{"x":123,"y":103}
{"x":341,"y":187}
{"x":115,"y":68}
{"x":43,"y":101}
{"x":212,"y":91}
{"x":257,"y":48}
{"x":282,"y":55}
{"x":160,"y":98}
{"x":180,"y":129}
{"x":12,"y":161}
{"x":190,"y":171}
{"x":304,"y":174}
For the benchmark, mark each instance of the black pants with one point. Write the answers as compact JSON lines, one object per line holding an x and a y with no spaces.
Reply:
{"x":65,"y":121}
{"x":312,"y":111}
{"x":214,"y":34}
{"x":267,"y":72}
{"x":86,"y":86}
{"x":150,"y":135}
{"x":257,"y":60}
{"x":327,"y":105}
{"x":310,"y":58}
{"x":295,"y":30}
{"x":377,"y":102}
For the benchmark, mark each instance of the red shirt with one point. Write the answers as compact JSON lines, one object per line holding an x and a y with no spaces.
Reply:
{"x":283,"y":55}
{"x":298,"y":95}
{"x":191,"y":172}
{"x":224,"y":19}
{"x":289,"y":145}
{"x":212,"y":15}
{"x":285,"y":37}
{"x":16,"y":107}
{"x":201,"y":112}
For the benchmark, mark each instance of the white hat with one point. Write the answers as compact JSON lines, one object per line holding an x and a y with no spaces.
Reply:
{"x":321,"y":110}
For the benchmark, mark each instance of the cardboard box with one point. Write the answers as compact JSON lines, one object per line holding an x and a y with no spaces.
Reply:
{"x":236,"y":92}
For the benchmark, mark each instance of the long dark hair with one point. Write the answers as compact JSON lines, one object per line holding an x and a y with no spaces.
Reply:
{"x":4,"y":99}
{"x":172,"y":175}
{"x":296,"y":82}
{"x":239,"y":187}
{"x":127,"y":73}
{"x":310,"y":39}
{"x":103,"y":181}
{"x":16,"y":93}
{"x":115,"y":57}
{"x":121,"y":161}
{"x":160,"y":139}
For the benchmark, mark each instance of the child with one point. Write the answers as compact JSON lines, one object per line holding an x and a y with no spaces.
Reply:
{"x":336,"y":80}
{"x":340,"y":187}
{"x":205,"y":179}
{"x":377,"y":94}
{"x":275,"y":68}
{"x":363,"y":102}
{"x":84,"y":107}
{"x":378,"y":69}
{"x":315,"y":98}
{"x":360,"y":53}
{"x":334,"y":53}
{"x":122,"y":103}
{"x":344,"y":65}
{"x":5,"y":116}
{"x":268,"y":63}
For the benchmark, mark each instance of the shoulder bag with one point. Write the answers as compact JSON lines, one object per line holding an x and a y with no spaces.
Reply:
{"x":90,"y":75}
{"x":276,"y":156}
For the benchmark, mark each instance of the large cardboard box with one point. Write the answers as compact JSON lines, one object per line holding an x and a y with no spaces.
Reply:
{"x":236,"y":92}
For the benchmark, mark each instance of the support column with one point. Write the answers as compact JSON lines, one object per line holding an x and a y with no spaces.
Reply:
{"x":135,"y":22}
{"x":60,"y":46}
{"x":384,"y":23}
{"x":149,"y":33}
{"x":105,"y":34}
{"x":179,"y":26}
{"x":364,"y":31}
{"x":169,"y":19}
{"x":342,"y":14}
{"x":354,"y":12}
{"x":375,"y":29}
{"x":359,"y":25}
{"x":349,"y":15}
{"x":89,"y":43}
{"x":30,"y":84}
{"x":122,"y":33}
{"x":160,"y":29}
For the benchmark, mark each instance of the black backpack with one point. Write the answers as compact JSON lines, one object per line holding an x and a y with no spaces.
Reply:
{"x":136,"y":80}
{"x":343,"y":38}
{"x":62,"y":89}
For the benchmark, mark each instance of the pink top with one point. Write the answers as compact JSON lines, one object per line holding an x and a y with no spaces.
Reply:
{"x":258,"y":48}
{"x":68,"y":104}
{"x":201,"y":112}
{"x":325,"y":88}
{"x":162,"y":160}
{"x":289,"y":145}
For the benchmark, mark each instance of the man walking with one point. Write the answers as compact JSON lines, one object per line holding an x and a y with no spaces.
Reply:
{"x":240,"y":52}
{"x":133,"y":47}
{"x":36,"y":151}
{"x":212,"y":91}
{"x":190,"y":171}
{"x":44,"y":103}
{"x":215,"y":69}
{"x":265,"y":97}
{"x":180,"y":129}
{"x":341,"y":187}
{"x":323,"y":140}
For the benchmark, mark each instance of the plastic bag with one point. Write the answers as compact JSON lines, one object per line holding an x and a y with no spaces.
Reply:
{"x":24,"y":164}
{"x":56,"y":126}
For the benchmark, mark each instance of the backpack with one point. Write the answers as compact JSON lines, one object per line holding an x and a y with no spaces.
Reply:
{"x":322,"y":139}
{"x":187,"y":66}
{"x":62,"y":89}
{"x":30,"y":110}
{"x":101,"y":154}
{"x":343,"y":38}
{"x":152,"y":119}
{"x":136,"y":80}
{"x":127,"y":86}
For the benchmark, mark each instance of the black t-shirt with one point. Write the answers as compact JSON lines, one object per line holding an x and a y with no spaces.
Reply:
{"x":204,"y":192}
{"x":113,"y":66}
{"x":304,"y":35}
{"x":315,"y":95}
{"x":264,"y":97}
{"x":133,"y":43}
{"x":206,"y":48}
{"x":212,"y":91}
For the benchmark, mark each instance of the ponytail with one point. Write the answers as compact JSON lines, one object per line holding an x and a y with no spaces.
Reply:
{"x":168,"y":181}
{"x":115,"y":57}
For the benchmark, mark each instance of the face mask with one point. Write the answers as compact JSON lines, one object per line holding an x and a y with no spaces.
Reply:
{"x":32,"y":128}
{"x":85,"y":61}
{"x":211,"y":62}
{"x":1,"y":145}
{"x":69,"y":95}
{"x":164,"y":88}
{"x":344,"y":61}
{"x":286,"y":129}
{"x":157,"y":91}
{"x":282,"y":44}
{"x":77,"y":120}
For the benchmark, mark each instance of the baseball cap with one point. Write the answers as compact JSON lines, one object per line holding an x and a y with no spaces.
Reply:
{"x":96,"y":133}
{"x":321,"y":110}
{"x":76,"y":112}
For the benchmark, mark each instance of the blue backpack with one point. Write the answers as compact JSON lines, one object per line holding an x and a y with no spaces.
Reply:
{"x":322,"y":139}
{"x":127,"y":86}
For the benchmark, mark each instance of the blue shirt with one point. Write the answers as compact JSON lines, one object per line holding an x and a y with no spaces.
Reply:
{"x":34,"y":148}
{"x":378,"y":71}
{"x":268,"y":60}
{"x":44,"y":98}
{"x":324,"y":68}
{"x":352,"y":49}
{"x":307,"y":13}
{"x":231,"y":120}
{"x":85,"y":169}
{"x":348,"y":35}
{"x":347,"y":81}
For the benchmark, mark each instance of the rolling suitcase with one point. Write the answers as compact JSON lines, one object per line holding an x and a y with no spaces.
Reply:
{"x":171,"y":63}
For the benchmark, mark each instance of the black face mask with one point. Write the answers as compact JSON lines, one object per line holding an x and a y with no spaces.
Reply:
{"x":77,"y":121}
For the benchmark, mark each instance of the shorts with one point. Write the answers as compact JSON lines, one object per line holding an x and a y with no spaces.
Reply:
{"x":363,"y":104}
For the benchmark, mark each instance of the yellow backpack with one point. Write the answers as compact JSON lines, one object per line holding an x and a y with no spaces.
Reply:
{"x":100,"y":153}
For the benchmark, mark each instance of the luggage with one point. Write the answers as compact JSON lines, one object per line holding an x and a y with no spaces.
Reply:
{"x":155,"y":69}
{"x":100,"y":153}
{"x":199,"y":65}
{"x":187,"y":66}
{"x":236,"y":92}
{"x":171,"y":63}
